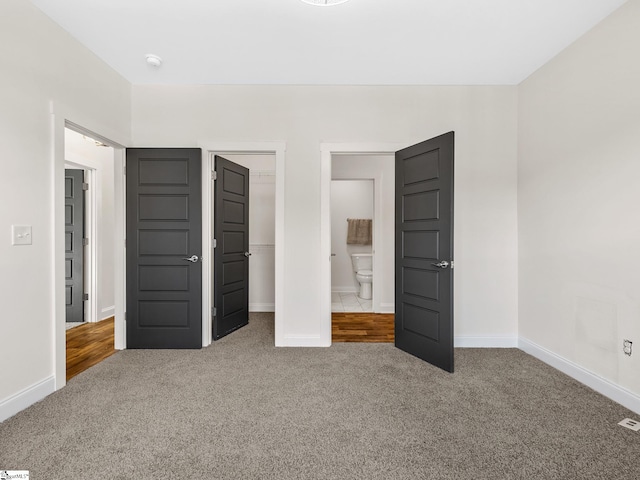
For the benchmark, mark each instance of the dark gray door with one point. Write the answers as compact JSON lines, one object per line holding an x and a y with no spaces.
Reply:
{"x":231,"y":259}
{"x":74,"y":243}
{"x":164,"y":246}
{"x":424,"y":251}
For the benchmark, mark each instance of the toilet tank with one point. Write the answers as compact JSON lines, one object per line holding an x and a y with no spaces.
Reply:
{"x":362,"y":261}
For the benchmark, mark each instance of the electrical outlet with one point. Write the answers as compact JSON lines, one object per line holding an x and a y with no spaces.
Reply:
{"x":627,"y":347}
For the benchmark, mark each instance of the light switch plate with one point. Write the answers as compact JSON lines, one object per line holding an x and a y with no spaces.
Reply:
{"x":21,"y":234}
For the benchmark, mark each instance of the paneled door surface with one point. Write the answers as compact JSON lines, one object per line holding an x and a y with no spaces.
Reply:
{"x":164,"y":246}
{"x":424,"y":250}
{"x":74,"y":244}
{"x":231,"y":258}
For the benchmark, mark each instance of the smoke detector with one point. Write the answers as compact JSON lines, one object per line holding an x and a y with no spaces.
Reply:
{"x":153,"y":60}
{"x":324,"y":3}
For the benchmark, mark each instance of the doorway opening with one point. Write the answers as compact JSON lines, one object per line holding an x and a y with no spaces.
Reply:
{"x":265,"y":161}
{"x":352,"y":245}
{"x":95,"y":161}
{"x":348,"y":163}
{"x":262,"y":225}
{"x":360,"y":161}
{"x":63,"y":132}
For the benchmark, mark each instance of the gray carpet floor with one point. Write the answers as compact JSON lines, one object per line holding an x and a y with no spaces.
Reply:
{"x":243,"y":409}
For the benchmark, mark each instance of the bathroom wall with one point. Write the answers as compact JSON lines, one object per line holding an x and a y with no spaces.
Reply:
{"x":349,"y":199}
{"x":382,"y":168}
{"x":100,"y":159}
{"x":262,"y":218}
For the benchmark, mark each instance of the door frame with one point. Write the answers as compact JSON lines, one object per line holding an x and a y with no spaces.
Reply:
{"x":327,"y":150}
{"x":90,"y":265}
{"x":209,"y":150}
{"x":62,"y":117}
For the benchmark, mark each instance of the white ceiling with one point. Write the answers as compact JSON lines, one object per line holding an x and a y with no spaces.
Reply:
{"x":361,"y":42}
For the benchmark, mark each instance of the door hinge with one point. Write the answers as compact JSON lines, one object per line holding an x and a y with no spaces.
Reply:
{"x":451,"y":263}
{"x":214,"y":243}
{"x":85,"y":186}
{"x":125,"y":315}
{"x":214,"y":175}
{"x":85,"y":242}
{"x":214,"y":311}
{"x":85,"y":297}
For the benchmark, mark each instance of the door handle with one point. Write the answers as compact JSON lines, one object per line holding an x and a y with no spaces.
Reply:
{"x":192,"y":259}
{"x":247,"y":254}
{"x":442,"y":264}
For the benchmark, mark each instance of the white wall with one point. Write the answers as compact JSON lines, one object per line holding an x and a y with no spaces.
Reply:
{"x":41,"y":64}
{"x":262,"y":236}
{"x":578,"y":201}
{"x":100,"y":160}
{"x":484,"y":119}
{"x":349,"y":199}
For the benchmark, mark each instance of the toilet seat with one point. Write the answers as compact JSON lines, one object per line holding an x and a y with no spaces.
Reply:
{"x":365,"y":272}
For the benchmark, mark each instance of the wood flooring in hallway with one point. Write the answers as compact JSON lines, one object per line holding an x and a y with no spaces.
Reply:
{"x":362,"y":327}
{"x":88,"y":345}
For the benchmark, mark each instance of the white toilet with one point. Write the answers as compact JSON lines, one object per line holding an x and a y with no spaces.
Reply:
{"x":363,"y":266}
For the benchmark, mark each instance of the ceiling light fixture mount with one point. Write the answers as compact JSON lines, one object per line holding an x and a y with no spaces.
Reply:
{"x":153,"y":60}
{"x":324,"y":3}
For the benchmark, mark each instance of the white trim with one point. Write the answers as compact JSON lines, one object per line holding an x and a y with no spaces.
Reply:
{"x":335,"y":289}
{"x":26,"y":397}
{"x":107,"y":312}
{"x":209,"y":148}
{"x":326,"y":152}
{"x":304,"y":341}
{"x":262,"y":307}
{"x":601,"y":385}
{"x":387,"y":308}
{"x":470,"y":341}
{"x":61,"y":118}
{"x":120,"y":242}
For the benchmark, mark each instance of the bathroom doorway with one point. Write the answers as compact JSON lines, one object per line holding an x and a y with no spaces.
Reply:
{"x":352,"y":213}
{"x":366,"y":181}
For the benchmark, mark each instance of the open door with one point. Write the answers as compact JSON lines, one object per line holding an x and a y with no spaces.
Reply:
{"x":231,"y":257}
{"x":424,"y":251}
{"x":164,"y":246}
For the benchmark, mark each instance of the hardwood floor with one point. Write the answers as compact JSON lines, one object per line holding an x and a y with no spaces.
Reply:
{"x":88,"y":345}
{"x":362,"y":327}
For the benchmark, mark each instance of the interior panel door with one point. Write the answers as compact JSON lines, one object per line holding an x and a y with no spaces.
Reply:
{"x":73,"y":244}
{"x":424,"y":250}
{"x":164,"y":246}
{"x":231,"y":258}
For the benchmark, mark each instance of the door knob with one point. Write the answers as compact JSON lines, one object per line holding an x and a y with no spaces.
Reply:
{"x":247,"y":254}
{"x":192,"y":259}
{"x":442,"y":264}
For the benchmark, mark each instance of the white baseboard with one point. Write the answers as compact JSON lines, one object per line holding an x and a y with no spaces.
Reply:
{"x":387,"y":308}
{"x":582,"y":375}
{"x":344,"y":289}
{"x":262,"y":307}
{"x":27,"y":397}
{"x":303,"y":341}
{"x":485,"y":342}
{"x":107,"y":312}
